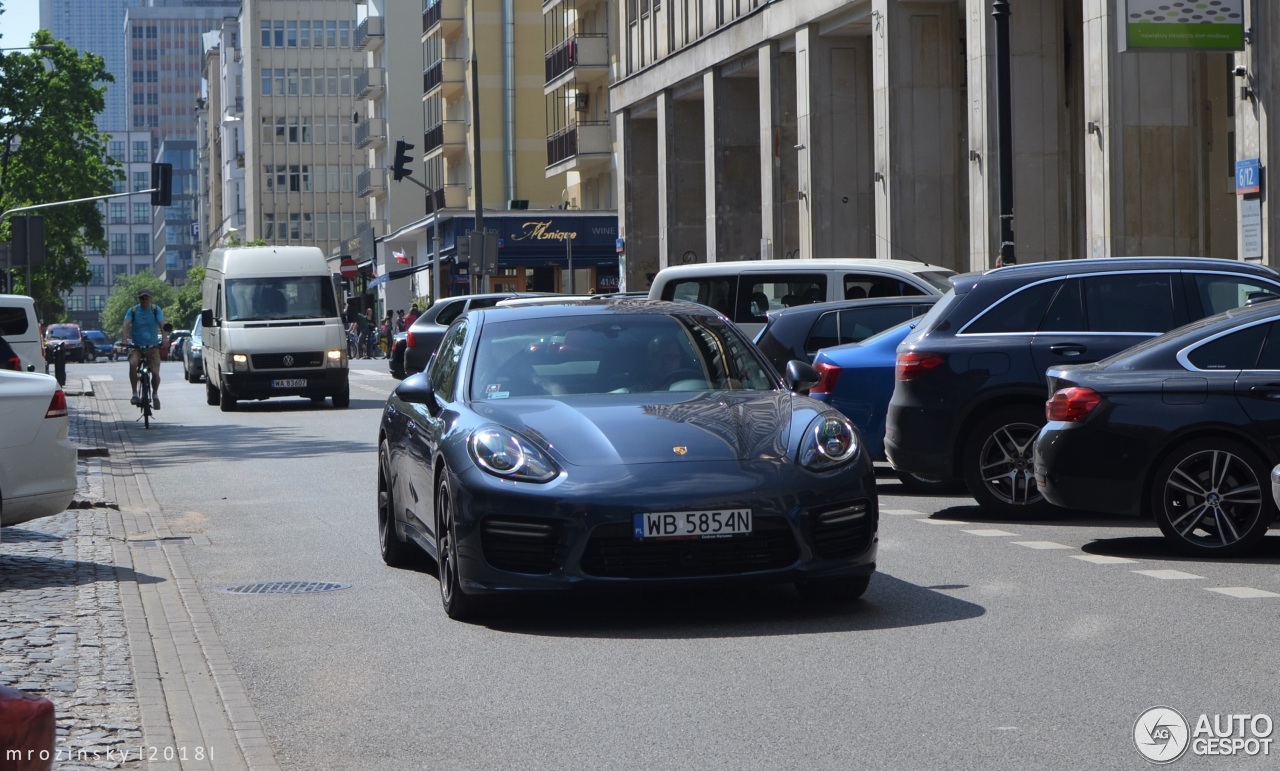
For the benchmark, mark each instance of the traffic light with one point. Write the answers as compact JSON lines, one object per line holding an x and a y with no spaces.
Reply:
{"x":161,"y":184}
{"x":399,"y":170}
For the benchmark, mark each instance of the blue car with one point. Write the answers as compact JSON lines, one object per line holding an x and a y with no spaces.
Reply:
{"x":857,"y":379}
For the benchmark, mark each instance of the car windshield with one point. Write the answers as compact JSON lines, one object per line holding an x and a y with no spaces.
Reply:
{"x":287,"y":297}
{"x":617,"y":354}
{"x":64,"y":333}
{"x":96,"y":337}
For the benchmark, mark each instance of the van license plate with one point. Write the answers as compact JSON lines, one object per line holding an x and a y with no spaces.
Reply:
{"x":297,"y":382}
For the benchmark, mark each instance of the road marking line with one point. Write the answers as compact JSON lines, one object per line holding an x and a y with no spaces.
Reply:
{"x":1242,"y":592}
{"x":1168,"y":575}
{"x":988,"y":533}
{"x":100,"y":379}
{"x":943,"y":521}
{"x":1041,"y":545}
{"x":902,"y":512}
{"x":1101,"y":559}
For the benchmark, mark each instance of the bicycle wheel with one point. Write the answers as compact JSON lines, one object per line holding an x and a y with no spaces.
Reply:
{"x":144,"y":401}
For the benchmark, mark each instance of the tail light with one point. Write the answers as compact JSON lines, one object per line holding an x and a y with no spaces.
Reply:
{"x":13,"y":363}
{"x":914,"y":364}
{"x":57,"y":405}
{"x":1071,"y":404}
{"x":830,"y":375}
{"x":408,"y":340}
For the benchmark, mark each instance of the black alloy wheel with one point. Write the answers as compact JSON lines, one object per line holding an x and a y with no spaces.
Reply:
{"x":395,"y":552}
{"x":999,"y":465}
{"x":457,"y":604}
{"x":1211,"y":498}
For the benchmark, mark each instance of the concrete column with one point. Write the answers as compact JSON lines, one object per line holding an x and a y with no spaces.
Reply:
{"x":1142,"y":146}
{"x":834,"y":146}
{"x":770,"y":152}
{"x":918,"y":133}
{"x":683,"y":203}
{"x":1255,"y":132}
{"x":637,"y":143}
{"x":733,"y":161}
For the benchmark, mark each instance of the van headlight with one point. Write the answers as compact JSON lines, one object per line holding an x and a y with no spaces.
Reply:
{"x":334,"y":358}
{"x":828,"y":442}
{"x":239,"y":362}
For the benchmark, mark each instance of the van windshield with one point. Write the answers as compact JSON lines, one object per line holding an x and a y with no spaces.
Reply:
{"x":293,"y":297}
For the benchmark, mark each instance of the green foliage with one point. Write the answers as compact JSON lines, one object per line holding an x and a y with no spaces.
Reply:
{"x":50,"y":150}
{"x":125,"y":295}
{"x":187,"y":302}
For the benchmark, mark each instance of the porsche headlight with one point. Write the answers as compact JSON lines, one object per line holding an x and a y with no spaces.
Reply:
{"x":828,"y":442}
{"x":507,"y":455}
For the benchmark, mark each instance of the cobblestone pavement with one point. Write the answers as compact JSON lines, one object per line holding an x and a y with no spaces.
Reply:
{"x":63,"y":635}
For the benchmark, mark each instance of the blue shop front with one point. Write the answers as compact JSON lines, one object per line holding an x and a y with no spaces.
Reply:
{"x":538,"y":251}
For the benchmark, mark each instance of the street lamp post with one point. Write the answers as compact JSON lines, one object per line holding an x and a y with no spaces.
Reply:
{"x":1004,"y":130}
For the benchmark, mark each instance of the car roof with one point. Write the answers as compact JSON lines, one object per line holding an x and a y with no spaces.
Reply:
{"x":752,"y":266}
{"x":594,"y":307}
{"x":866,"y":302}
{"x":1092,"y":265}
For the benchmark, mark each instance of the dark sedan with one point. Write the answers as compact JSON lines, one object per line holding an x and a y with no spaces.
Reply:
{"x":1184,"y":427}
{"x":800,"y":331}
{"x":619,"y":443}
{"x":411,"y":348}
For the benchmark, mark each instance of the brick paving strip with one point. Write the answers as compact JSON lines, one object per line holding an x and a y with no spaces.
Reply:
{"x":101,"y":615}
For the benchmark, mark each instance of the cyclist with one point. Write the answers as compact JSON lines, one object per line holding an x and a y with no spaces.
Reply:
{"x":142,"y":324}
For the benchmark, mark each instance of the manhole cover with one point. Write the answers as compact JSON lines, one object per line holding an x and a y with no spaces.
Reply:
{"x":286,"y":587}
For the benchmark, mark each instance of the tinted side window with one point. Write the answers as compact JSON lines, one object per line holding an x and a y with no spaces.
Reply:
{"x":1066,"y":312}
{"x":450,"y":312}
{"x":857,"y":324}
{"x":13,"y":321}
{"x":1222,"y":293}
{"x":1017,"y":312}
{"x":1270,"y":358}
{"x":1237,"y":350}
{"x":716,"y":293}
{"x":444,"y":370}
{"x":860,"y":285}
{"x":781,"y":290}
{"x":1136,"y":302}
{"x":483,"y":302}
{"x":825,"y":333}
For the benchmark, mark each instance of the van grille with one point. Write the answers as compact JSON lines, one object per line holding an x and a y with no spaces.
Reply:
{"x":276,"y":360}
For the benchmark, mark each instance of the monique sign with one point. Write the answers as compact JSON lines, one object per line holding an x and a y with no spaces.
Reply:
{"x":541,"y":231}
{"x":1181,"y":25}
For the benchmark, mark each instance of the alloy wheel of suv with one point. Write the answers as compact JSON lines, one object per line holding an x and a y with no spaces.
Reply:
{"x":998,"y":462}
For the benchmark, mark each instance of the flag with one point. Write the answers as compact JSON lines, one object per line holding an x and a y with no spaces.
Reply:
{"x":401,"y":258}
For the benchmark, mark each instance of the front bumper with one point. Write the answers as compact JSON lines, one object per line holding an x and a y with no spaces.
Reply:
{"x":580,"y":535}
{"x":267,"y":385}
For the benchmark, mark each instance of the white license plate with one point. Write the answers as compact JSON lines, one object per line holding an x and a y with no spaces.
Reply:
{"x":692,"y":524}
{"x":297,"y":382}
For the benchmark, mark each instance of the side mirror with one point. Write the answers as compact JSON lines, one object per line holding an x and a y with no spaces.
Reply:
{"x":801,"y":376}
{"x":416,"y":389}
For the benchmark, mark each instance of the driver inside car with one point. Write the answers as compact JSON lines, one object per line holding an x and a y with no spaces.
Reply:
{"x":666,"y":363}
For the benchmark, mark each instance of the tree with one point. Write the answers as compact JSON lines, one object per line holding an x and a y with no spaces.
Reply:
{"x":125,"y":295}
{"x":50,"y":150}
{"x":188,"y":302}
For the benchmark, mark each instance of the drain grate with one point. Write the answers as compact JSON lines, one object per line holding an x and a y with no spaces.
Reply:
{"x":286,"y":587}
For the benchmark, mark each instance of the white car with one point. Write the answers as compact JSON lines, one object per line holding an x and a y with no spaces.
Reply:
{"x":37,"y":459}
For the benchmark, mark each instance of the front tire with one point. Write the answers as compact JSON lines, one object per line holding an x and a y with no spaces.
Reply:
{"x":1211,"y":498}
{"x":395,"y":552}
{"x":342,"y":399}
{"x":211,"y":395}
{"x":998,"y":462}
{"x":226,"y":402}
{"x":458,"y":605}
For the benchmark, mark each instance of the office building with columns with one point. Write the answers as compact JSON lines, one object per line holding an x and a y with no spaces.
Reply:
{"x":746,"y":129}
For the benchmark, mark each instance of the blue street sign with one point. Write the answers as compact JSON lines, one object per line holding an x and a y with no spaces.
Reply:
{"x":1248,"y":176}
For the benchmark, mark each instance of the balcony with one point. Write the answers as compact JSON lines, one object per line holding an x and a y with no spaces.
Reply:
{"x":371,"y":182}
{"x":371,"y":133}
{"x":370,"y":33}
{"x":448,"y":75}
{"x":580,"y":147}
{"x":445,"y":14}
{"x":584,"y":58}
{"x":447,"y":197}
{"x":371,"y":83}
{"x":580,"y":7}
{"x":449,"y":137}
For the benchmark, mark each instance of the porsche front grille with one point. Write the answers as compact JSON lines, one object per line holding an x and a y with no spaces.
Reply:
{"x":521,"y":545}
{"x":843,"y":529}
{"x":614,"y":552}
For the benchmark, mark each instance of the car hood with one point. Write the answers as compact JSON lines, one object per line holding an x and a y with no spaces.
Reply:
{"x":613,"y":429}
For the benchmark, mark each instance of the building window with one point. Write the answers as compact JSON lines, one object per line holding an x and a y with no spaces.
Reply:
{"x":278,"y":37}
{"x":97,"y":302}
{"x":266,"y":82}
{"x":75,"y":302}
{"x":266,"y":34}
{"x":344,"y":34}
{"x":96,"y":274}
{"x":141,"y":213}
{"x":118,"y":211}
{"x":291,"y":34}
{"x":119,"y":244}
{"x":304,"y":34}
{"x":268,"y":226}
{"x":295,"y":227}
{"x":141,"y":243}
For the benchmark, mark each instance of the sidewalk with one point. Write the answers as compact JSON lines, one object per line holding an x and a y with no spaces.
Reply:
{"x":100,"y":615}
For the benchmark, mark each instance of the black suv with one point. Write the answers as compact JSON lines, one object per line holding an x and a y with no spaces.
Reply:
{"x":969,"y":398}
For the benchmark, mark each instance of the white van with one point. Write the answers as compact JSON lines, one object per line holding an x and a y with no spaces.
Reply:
{"x":746,"y":290}
{"x":271,"y":326}
{"x":21,"y":330}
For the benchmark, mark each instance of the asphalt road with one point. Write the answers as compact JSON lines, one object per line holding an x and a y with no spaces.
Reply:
{"x":980,"y":644}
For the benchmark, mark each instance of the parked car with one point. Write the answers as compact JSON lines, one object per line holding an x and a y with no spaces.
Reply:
{"x":799,"y":332}
{"x":969,"y":396}
{"x":122,"y":349}
{"x":615,"y":442}
{"x":178,"y":341}
{"x":1184,"y":428}
{"x":97,"y":344}
{"x":746,"y":290}
{"x":193,"y":355}
{"x":69,"y":337}
{"x":9,"y":358}
{"x":411,"y":349}
{"x":37,"y":459}
{"x":21,"y":330}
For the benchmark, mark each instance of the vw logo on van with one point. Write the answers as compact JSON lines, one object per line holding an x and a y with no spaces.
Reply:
{"x":288,"y":360}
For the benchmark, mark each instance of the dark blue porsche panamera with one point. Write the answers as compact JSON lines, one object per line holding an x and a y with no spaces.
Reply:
{"x":610,"y":443}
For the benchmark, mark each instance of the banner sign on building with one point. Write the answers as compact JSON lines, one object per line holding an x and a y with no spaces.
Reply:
{"x":1181,"y":25}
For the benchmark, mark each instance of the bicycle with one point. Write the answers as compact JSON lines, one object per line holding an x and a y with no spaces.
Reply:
{"x":144,"y":386}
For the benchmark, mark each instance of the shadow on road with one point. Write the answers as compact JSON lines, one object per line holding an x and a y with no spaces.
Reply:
{"x":19,"y":535}
{"x":743,"y":611}
{"x":19,"y":571}
{"x":1056,"y":517}
{"x":1157,"y":547}
{"x":238,"y":441}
